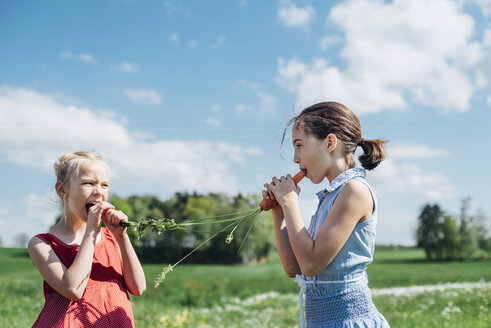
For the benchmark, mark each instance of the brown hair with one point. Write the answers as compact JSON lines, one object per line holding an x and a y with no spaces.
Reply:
{"x":325,"y":118}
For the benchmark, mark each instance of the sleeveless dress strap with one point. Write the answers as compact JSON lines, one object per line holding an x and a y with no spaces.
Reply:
{"x":45,"y":237}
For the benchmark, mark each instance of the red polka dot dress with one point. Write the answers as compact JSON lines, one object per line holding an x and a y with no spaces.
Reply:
{"x":105,"y":302}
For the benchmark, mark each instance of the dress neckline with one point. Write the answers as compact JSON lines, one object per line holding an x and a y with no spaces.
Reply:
{"x":341,"y":179}
{"x":76,"y":245}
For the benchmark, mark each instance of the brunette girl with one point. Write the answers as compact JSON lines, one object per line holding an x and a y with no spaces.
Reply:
{"x":330,"y":257}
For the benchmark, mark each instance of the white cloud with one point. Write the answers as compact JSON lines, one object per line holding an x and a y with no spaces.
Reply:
{"x":41,"y":208}
{"x":253,"y":151}
{"x":294,"y":16}
{"x":483,"y":74}
{"x":267,"y":103}
{"x":213,"y":122}
{"x":219,"y":41}
{"x":85,"y":58}
{"x":31,"y":215}
{"x":410,"y":179}
{"x":171,"y":9}
{"x":35,"y":130}
{"x":394,"y":52}
{"x":127,"y":67}
{"x":320,"y":82}
{"x":415,"y":152}
{"x":403,"y":187}
{"x":481,"y":80}
{"x":327,"y":41}
{"x":484,"y":5}
{"x":143,"y":97}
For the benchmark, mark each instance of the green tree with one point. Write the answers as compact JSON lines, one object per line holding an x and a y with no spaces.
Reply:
{"x":446,"y":237}
{"x":428,"y":230}
{"x":171,"y":246}
{"x":450,"y":240}
{"x":467,"y":230}
{"x":484,"y":238}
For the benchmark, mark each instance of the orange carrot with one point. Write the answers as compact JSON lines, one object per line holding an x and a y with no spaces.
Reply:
{"x":267,"y":204}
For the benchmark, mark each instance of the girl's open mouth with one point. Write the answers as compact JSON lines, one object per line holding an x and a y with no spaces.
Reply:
{"x":89,"y":205}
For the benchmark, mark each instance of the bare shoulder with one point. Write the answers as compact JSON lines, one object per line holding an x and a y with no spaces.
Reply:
{"x":38,"y":249}
{"x":356,"y":195}
{"x":358,"y":189}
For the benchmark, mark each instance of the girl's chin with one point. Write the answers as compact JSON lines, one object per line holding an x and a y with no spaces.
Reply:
{"x":316,"y":180}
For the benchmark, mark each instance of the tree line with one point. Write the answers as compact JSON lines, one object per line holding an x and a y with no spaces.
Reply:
{"x":447,"y":237}
{"x":171,"y":246}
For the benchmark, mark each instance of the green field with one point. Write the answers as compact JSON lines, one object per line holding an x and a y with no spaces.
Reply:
{"x":262,"y":296}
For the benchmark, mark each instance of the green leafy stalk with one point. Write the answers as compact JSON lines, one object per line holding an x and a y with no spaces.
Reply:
{"x":168,"y":268}
{"x":165,"y":224}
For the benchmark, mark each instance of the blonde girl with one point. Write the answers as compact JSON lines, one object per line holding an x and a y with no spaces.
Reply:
{"x":88,"y":270}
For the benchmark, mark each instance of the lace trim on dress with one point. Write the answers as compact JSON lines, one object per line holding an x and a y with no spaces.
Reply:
{"x":342,"y":179}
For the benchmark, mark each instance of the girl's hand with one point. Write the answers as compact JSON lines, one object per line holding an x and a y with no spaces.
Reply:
{"x":276,"y":207}
{"x":95,"y":215}
{"x":282,"y":189}
{"x":111,"y":219}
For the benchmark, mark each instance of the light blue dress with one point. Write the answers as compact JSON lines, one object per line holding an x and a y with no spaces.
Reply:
{"x":339,"y":296}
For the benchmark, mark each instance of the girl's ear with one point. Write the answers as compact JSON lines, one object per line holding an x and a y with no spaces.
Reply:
{"x":60,"y":189}
{"x":331,"y":142}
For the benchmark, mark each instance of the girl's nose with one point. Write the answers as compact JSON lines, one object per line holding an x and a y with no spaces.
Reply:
{"x":97,"y":190}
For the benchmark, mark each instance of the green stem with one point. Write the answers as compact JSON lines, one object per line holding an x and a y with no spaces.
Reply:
{"x":255,"y":215}
{"x":195,"y":249}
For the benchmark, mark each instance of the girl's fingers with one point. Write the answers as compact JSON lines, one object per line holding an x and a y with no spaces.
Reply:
{"x":113,"y":217}
{"x":268,"y":194}
{"x":106,"y":206}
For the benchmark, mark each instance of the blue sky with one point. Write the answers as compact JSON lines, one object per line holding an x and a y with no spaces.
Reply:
{"x":194,"y":96}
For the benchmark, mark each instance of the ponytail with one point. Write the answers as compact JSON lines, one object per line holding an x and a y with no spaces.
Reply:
{"x":373,"y":153}
{"x":324,"y":118}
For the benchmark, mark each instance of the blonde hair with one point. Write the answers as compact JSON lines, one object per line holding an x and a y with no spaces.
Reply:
{"x":68,"y":165}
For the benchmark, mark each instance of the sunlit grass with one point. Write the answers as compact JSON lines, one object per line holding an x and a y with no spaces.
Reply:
{"x":449,"y":308}
{"x":262,"y":296}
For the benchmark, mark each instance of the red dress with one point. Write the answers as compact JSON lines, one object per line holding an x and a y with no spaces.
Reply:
{"x":105,"y":302}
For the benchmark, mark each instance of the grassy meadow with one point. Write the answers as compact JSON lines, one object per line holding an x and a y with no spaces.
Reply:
{"x":261,"y":295}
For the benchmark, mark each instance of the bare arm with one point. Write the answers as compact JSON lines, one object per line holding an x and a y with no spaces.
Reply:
{"x":69,"y":282}
{"x":133,"y":274}
{"x":353,"y":204}
{"x":285,"y":252}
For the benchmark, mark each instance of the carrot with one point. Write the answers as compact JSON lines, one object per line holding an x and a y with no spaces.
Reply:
{"x":267,"y":204}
